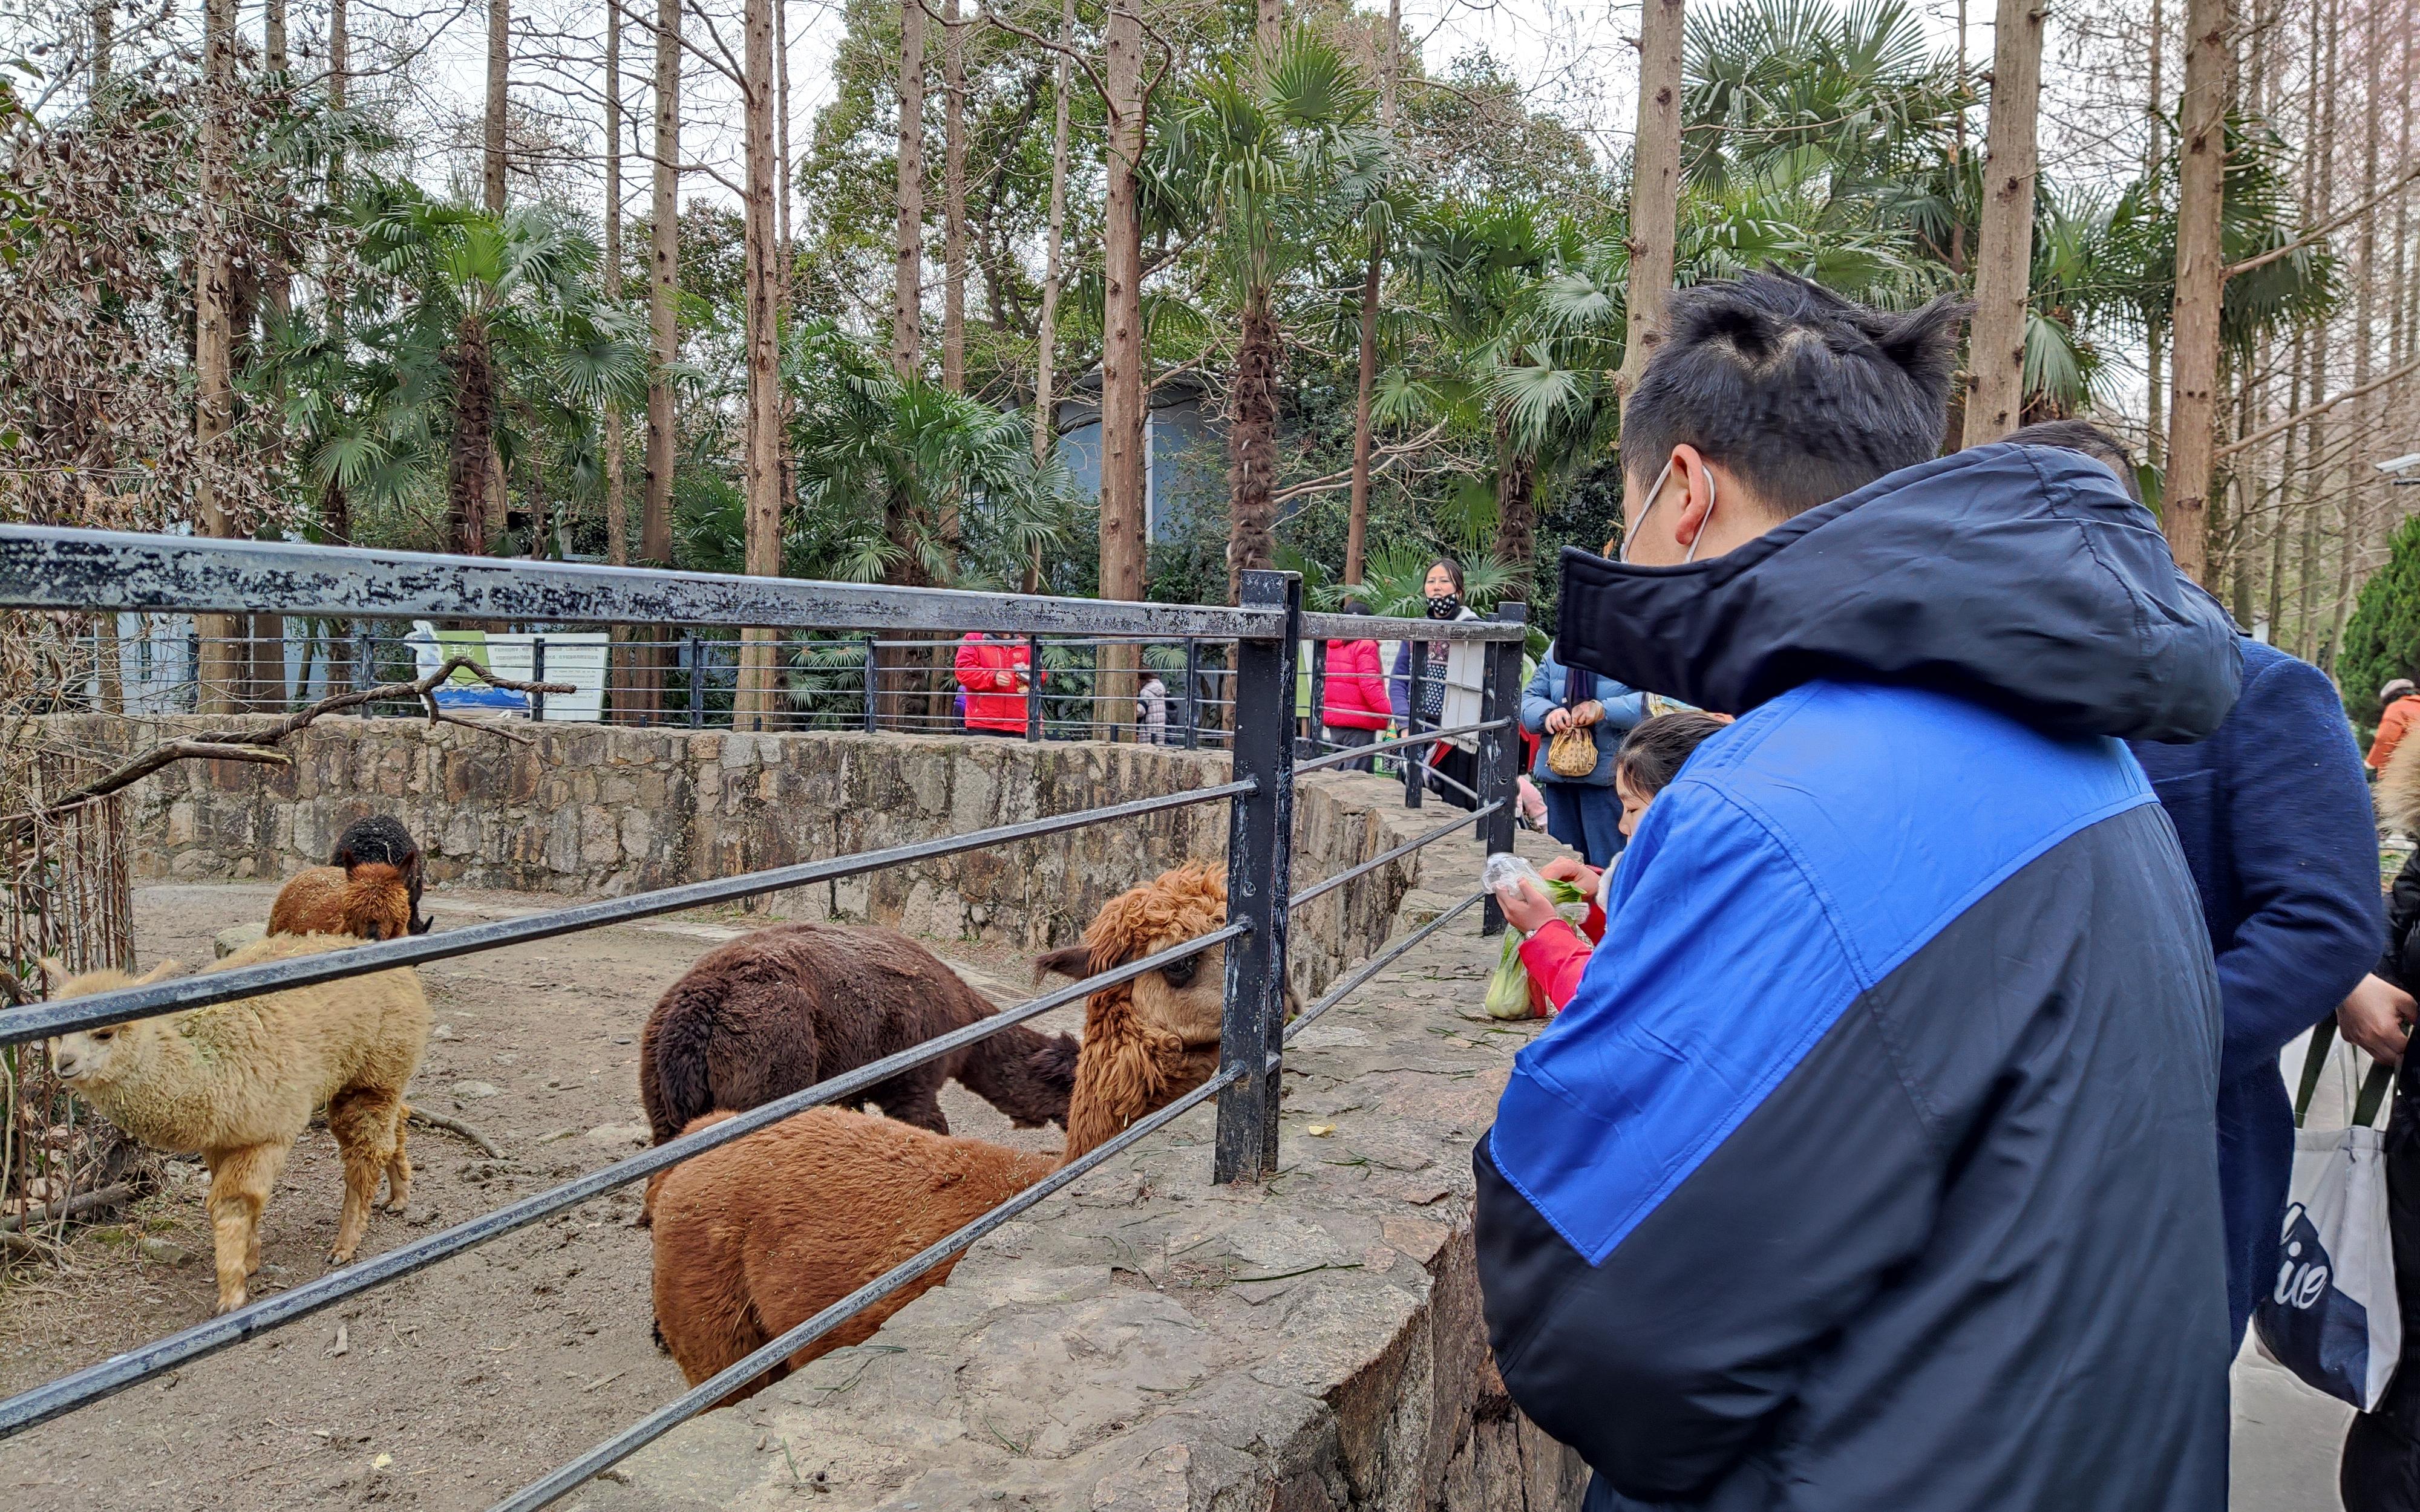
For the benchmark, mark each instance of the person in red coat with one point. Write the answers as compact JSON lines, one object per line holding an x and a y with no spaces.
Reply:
{"x":1355,"y":698}
{"x":997,"y":677}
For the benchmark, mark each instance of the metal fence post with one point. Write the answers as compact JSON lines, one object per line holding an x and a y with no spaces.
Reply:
{"x":537,"y":674}
{"x":870,"y":687}
{"x":1414,"y":767}
{"x":1260,"y":844}
{"x":1499,"y":752}
{"x":696,"y":684}
{"x":1192,"y":694}
{"x":1033,"y":688}
{"x":365,"y":662}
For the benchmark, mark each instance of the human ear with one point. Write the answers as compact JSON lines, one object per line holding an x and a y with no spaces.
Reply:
{"x":1697,"y":504}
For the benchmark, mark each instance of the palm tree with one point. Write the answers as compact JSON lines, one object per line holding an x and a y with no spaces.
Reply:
{"x":1275,"y":152}
{"x":505,"y":306}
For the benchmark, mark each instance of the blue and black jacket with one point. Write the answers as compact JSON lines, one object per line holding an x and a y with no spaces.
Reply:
{"x":1876,"y":1168}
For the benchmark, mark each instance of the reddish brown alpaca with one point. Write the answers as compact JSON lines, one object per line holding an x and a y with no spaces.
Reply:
{"x":757,"y":1236}
{"x":372,"y":901}
{"x":786,"y":1008}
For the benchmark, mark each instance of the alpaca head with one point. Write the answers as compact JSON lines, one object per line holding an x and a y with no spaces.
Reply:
{"x":90,"y":1061}
{"x":381,"y":838}
{"x":378,"y":902}
{"x":1185,"y":999}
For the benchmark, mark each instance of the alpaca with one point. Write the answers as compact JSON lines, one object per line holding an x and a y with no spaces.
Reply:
{"x":381,"y":838}
{"x":372,"y":901}
{"x":237,"y":1081}
{"x":785,"y":1007}
{"x":755,"y":1237}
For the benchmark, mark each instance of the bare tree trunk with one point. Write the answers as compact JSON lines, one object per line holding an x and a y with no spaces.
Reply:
{"x":617,"y":511}
{"x":1123,"y":389}
{"x":1269,"y":26}
{"x":1654,"y":189}
{"x":105,"y":38}
{"x":500,"y":55}
{"x":953,"y":208}
{"x":2154,"y":333}
{"x":2201,"y":276}
{"x":2004,"y":250}
{"x":1045,"y":404}
{"x":753,"y":705}
{"x":224,"y":666}
{"x":1516,"y":489}
{"x":663,"y":322}
{"x":1357,"y":520}
{"x":2287,"y":478}
{"x":788,"y":250}
{"x":907,"y":289}
{"x":2369,"y":420}
{"x":1045,"y":416}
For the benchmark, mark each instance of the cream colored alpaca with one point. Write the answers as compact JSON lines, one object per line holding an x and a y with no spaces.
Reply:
{"x":238,"y":1082}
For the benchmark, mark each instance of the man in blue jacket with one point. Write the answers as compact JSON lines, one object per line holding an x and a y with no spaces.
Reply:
{"x":2274,"y":817}
{"x":1876,"y":1169}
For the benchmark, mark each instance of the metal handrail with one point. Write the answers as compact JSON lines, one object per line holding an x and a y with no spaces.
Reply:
{"x":25,"y":1023}
{"x":1379,"y":747}
{"x":45,"y":567}
{"x":30,"y":1408}
{"x":566,"y":1478}
{"x":1378,"y":963}
{"x":1373,"y":628}
{"x":1426,"y":837}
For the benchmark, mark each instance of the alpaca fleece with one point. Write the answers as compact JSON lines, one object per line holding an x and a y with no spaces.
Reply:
{"x":236,"y":1082}
{"x":758,"y":1236}
{"x":372,"y":901}
{"x":785,"y":1007}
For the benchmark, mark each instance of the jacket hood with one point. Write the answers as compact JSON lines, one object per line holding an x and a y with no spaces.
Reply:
{"x":2021,"y":577}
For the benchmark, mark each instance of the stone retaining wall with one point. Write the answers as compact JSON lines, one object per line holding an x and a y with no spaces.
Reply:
{"x":594,"y":809}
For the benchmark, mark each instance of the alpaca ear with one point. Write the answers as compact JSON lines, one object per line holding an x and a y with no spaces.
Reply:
{"x":1073,"y":962}
{"x":56,"y":972}
{"x":159,"y":973}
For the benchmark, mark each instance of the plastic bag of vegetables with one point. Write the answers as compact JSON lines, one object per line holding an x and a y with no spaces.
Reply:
{"x":1508,"y":990}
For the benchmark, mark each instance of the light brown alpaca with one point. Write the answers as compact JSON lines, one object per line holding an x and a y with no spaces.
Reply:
{"x":757,"y":1236}
{"x":236,"y":1082}
{"x":372,"y":901}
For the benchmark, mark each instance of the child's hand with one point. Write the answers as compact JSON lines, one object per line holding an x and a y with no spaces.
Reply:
{"x":1573,"y":870}
{"x":1525,"y":908}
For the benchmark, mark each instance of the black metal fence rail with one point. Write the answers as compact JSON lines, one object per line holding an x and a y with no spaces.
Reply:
{"x":69,"y":570}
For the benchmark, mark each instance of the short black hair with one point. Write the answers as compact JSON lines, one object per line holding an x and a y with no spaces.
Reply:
{"x":1352,"y":606}
{"x":2085,"y":437}
{"x":1800,"y":393}
{"x":1651,"y":753}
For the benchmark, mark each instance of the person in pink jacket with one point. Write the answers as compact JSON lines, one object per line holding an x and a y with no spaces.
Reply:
{"x":1355,"y":698}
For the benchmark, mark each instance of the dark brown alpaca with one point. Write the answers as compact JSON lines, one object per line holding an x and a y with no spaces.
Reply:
{"x":789,"y":1007}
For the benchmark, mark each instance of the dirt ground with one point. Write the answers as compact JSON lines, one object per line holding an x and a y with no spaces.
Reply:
{"x":456,"y":1384}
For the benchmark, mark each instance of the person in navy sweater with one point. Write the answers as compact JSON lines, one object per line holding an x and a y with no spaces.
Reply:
{"x":1875,"y":1169}
{"x":2274,"y":817}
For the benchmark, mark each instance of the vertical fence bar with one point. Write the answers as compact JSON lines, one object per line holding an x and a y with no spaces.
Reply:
{"x":364,"y":665}
{"x":870,"y":686}
{"x":537,"y":674}
{"x":1033,"y":688}
{"x":1192,"y":693}
{"x":696,"y":684}
{"x":1499,"y":752}
{"x":1318,"y":718}
{"x":1414,"y":767}
{"x":1259,"y":842}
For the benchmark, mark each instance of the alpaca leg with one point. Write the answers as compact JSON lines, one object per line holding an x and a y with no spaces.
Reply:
{"x":398,"y":1165}
{"x":241,"y":1181}
{"x":914,"y":1097}
{"x":364,"y":1122}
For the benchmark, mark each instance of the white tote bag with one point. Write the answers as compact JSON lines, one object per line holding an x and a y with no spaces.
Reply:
{"x":2329,"y":1313}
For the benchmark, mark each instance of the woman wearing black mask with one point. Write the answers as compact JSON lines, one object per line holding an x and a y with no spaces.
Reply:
{"x":1458,"y":768}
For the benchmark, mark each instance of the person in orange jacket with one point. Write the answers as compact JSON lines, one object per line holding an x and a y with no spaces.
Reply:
{"x":997,"y":677}
{"x":2398,"y":708}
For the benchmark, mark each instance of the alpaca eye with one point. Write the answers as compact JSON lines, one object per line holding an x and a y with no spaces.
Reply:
{"x":105,"y":1035}
{"x":1180,"y":973}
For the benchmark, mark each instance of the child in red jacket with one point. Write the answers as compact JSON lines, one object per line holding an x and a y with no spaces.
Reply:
{"x":1555,"y":954}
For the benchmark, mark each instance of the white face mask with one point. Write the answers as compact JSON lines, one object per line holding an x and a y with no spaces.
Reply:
{"x":1655,"y":491}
